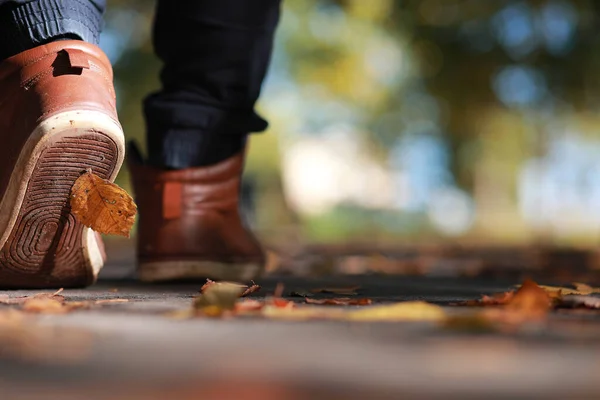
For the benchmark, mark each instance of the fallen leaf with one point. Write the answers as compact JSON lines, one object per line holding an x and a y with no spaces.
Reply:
{"x":209,"y":283}
{"x":405,"y":311}
{"x":102,"y":205}
{"x":280,"y":303}
{"x":218,"y":298}
{"x":45,"y":306}
{"x":247,"y":289}
{"x":339,"y":302}
{"x":580,"y":289}
{"x":343,"y":291}
{"x":40,"y":296}
{"x":584,"y":288}
{"x":302,"y":313}
{"x":53,"y":303}
{"x":251,"y":289}
{"x":579,"y":301}
{"x":530,"y":300}
{"x":531,"y":303}
{"x":111,"y":301}
{"x":248,"y":305}
{"x":497,"y":299}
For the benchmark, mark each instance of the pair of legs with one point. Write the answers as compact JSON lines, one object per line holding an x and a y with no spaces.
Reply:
{"x":57,"y":115}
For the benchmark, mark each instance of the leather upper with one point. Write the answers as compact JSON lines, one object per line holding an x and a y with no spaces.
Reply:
{"x":193,"y":214}
{"x":35,"y":84}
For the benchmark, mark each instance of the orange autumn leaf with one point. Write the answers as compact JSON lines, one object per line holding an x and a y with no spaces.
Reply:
{"x":247,"y":289}
{"x":248,"y":305}
{"x":209,"y":283}
{"x":251,"y":289}
{"x":531,"y":303}
{"x":339,"y":302}
{"x":281,"y":303}
{"x":102,"y":205}
{"x":497,"y":299}
{"x":530,"y":300}
{"x":5,"y":299}
{"x":45,"y":306}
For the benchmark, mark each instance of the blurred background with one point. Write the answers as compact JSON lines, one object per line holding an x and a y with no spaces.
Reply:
{"x":413,"y":121}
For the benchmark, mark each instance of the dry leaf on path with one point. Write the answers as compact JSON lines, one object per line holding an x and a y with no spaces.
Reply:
{"x":339,"y":302}
{"x":280,"y":303}
{"x":302,"y":313}
{"x":342,"y":291}
{"x":53,"y":303}
{"x":45,"y":306}
{"x":40,"y":296}
{"x":530,"y":299}
{"x":579,"y":301}
{"x":497,"y":299}
{"x":578,"y":289}
{"x":218,"y":298}
{"x":406,"y":311}
{"x":247,"y":289}
{"x":248,"y":305}
{"x":251,"y":289}
{"x":209,"y":283}
{"x":102,"y":205}
{"x":529,"y":303}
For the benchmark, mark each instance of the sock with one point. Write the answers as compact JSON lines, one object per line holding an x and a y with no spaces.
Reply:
{"x":187,"y":148}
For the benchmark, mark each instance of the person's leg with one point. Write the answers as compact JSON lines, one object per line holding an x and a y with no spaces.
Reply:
{"x":215,"y":55}
{"x":57,"y":119}
{"x":25,"y":24}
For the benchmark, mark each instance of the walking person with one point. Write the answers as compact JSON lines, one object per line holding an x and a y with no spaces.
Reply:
{"x":58,"y":118}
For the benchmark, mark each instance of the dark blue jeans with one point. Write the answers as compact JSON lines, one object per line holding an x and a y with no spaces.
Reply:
{"x":215,"y":55}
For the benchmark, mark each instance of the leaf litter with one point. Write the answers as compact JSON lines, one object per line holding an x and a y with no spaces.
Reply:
{"x":529,"y":303}
{"x":53,"y":303}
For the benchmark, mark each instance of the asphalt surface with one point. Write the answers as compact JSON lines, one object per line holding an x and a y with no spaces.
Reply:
{"x":136,"y":350}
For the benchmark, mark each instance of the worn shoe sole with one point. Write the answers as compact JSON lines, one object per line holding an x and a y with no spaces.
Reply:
{"x":42,"y":244}
{"x":195,"y":270}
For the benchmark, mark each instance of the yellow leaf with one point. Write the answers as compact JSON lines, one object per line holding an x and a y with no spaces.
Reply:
{"x":302,"y":313}
{"x":218,"y":297}
{"x":580,"y":289}
{"x":530,"y":302}
{"x":45,"y":306}
{"x":102,"y":205}
{"x":585,"y":288}
{"x":406,"y":311}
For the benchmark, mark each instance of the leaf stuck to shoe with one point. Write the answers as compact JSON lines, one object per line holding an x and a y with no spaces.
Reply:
{"x":102,"y":205}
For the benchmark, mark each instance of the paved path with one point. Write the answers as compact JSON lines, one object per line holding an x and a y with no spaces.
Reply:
{"x":132,"y":351}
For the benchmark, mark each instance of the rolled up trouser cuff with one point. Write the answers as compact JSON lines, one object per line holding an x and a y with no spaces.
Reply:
{"x":185,"y":133}
{"x":25,"y":25}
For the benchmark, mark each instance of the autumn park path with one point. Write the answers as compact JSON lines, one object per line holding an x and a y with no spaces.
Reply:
{"x":139,"y":350}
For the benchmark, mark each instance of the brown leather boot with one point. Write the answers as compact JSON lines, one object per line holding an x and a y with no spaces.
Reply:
{"x":190,"y":225}
{"x":57,"y":118}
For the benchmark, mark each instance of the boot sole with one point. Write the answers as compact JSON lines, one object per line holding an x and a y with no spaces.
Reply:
{"x":161,"y":271}
{"x":42,"y":244}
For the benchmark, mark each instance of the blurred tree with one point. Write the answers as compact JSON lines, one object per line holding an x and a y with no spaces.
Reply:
{"x":493,"y":79}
